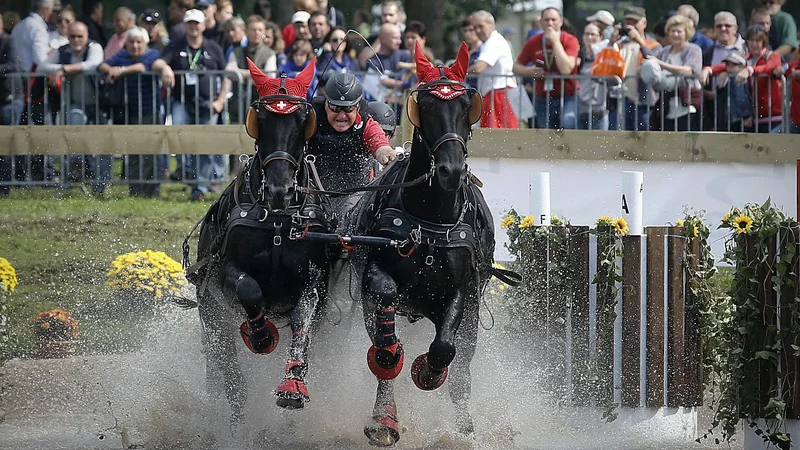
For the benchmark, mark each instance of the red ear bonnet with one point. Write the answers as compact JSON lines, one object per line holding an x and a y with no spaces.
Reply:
{"x":297,"y":87}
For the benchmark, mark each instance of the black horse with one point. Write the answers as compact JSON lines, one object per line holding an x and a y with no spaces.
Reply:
{"x":251,"y":252}
{"x":446,"y":260}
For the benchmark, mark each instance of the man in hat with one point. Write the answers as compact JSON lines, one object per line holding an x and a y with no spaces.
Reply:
{"x":604,"y":21}
{"x":634,"y":45}
{"x":195,"y":97}
{"x":300,"y":23}
{"x":150,"y":20}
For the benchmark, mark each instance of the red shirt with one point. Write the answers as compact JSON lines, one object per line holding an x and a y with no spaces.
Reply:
{"x":289,"y":37}
{"x":374,"y":137}
{"x":542,"y":56}
{"x":795,"y":101}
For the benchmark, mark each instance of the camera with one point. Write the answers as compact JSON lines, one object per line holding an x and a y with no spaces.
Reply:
{"x":626,"y":31}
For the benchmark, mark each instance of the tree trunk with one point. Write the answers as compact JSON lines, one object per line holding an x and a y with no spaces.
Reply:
{"x":432,"y":14}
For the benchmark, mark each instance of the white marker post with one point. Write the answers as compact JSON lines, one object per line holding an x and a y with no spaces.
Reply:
{"x":540,"y":198}
{"x":632,"y":187}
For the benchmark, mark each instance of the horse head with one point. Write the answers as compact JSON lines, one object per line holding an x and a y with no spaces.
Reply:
{"x":447,"y":107}
{"x":281,"y":121}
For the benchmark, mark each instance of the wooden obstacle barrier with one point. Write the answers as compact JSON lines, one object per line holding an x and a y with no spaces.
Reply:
{"x":656,"y":359}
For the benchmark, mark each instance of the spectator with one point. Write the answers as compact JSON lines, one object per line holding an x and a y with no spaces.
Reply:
{"x":335,"y":58}
{"x":274,"y":40}
{"x":766,"y":89}
{"x":263,"y":8}
{"x":698,"y":38}
{"x":335,"y":16}
{"x":760,"y":17}
{"x":236,"y":30}
{"x":176,"y":11}
{"x":215,"y":30}
{"x":593,"y":112}
{"x":300,"y":26}
{"x":127,"y":67}
{"x":390,"y":13}
{"x":385,"y":70}
{"x":224,"y":12}
{"x":93,"y":18}
{"x":634,"y":45}
{"x":150,"y":20}
{"x":660,"y":32}
{"x":495,"y":65}
{"x":195,"y":99}
{"x":783,"y":31}
{"x":604,"y":21}
{"x":474,"y":45}
{"x":681,"y":96}
{"x":300,"y":56}
{"x":415,"y":32}
{"x":318,"y":28}
{"x":737,"y":95}
{"x":10,"y":107}
{"x":361,"y":22}
{"x":60,"y":36}
{"x":74,"y":63}
{"x":262,"y":56}
{"x":552,"y":52}
{"x":536,"y":26}
{"x":793,"y":74}
{"x":290,"y":30}
{"x":124,"y":20}
{"x":728,"y":42}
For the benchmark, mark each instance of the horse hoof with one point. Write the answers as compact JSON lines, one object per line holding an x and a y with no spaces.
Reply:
{"x":383,"y":432}
{"x":261,"y":341}
{"x":386,"y":363}
{"x":424,"y":377}
{"x":292,"y":394}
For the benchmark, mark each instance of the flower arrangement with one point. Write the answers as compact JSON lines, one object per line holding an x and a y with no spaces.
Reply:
{"x":146,"y":272}
{"x":55,"y":325}
{"x":8,"y":277}
{"x":619,"y":225}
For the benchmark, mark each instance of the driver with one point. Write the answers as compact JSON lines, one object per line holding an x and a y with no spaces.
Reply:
{"x":347,"y":138}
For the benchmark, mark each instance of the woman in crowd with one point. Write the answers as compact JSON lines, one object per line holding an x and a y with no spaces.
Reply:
{"x":592,"y":96}
{"x":300,"y":56}
{"x":334,"y":57}
{"x":274,"y":40}
{"x":60,"y":35}
{"x":673,"y":72}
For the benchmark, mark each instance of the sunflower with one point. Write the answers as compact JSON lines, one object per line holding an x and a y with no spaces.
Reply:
{"x":742,"y":223}
{"x":507,"y":221}
{"x":620,"y":226}
{"x":696,"y":232}
{"x":726,"y":218}
{"x":527,"y":222}
{"x":679,"y":223}
{"x":604,"y":220}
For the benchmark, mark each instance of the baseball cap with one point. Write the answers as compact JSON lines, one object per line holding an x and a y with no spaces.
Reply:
{"x":635,"y":13}
{"x":301,"y":16}
{"x":150,"y":15}
{"x":194,"y":15}
{"x":602,"y":16}
{"x":736,"y":58}
{"x":203,"y":4}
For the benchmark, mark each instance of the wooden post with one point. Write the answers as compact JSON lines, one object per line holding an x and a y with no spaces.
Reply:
{"x":605,"y":312}
{"x":655,"y":316}
{"x":676,"y":348}
{"x":556,"y":342}
{"x":631,"y":319}
{"x":579,"y":259}
{"x":693,"y":350}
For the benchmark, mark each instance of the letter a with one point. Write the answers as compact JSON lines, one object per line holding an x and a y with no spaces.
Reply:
{"x":625,"y":205}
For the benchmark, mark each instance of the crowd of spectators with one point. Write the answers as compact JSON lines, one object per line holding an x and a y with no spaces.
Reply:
{"x":182,"y":68}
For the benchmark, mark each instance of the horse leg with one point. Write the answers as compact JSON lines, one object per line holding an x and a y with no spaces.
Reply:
{"x":292,"y":392}
{"x":429,"y":370}
{"x":223,"y":375}
{"x":385,"y":357}
{"x":383,"y":430}
{"x":460,"y":385}
{"x":258,"y":333}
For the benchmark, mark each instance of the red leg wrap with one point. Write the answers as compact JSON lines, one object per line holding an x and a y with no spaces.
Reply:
{"x":292,"y":389}
{"x":384,"y":430}
{"x":261,"y":340}
{"x":387,"y":362}
{"x":423,"y":377}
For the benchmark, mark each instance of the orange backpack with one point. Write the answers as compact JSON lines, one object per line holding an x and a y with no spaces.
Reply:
{"x":608,"y":62}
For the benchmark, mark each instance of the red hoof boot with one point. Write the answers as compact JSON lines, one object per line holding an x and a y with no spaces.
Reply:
{"x":424,"y":377}
{"x":292,"y":394}
{"x":387,"y":362}
{"x":383,"y":431}
{"x":261,"y":340}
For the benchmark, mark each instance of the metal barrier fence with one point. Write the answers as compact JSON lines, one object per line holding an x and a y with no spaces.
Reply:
{"x":595,"y":103}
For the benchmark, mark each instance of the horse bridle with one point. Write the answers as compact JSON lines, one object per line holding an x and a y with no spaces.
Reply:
{"x":451,"y":136}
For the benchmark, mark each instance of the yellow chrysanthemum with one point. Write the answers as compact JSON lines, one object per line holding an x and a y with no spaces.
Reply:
{"x":742,"y":223}
{"x":679,"y":223}
{"x":620,"y":226}
{"x":8,"y":276}
{"x":507,"y":221}
{"x":147,"y":271}
{"x":526,"y":222}
{"x":604,"y":220}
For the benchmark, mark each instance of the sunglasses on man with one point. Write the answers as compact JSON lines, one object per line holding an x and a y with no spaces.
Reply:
{"x":345,"y":109}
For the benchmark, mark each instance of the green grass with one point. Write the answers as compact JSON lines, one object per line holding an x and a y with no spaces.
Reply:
{"x":61,"y":249}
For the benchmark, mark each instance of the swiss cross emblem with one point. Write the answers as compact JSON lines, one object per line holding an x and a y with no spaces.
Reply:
{"x":445,"y":90}
{"x":281,"y":105}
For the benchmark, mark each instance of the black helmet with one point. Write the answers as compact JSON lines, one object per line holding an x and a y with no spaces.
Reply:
{"x":384,"y":115}
{"x":343,"y":89}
